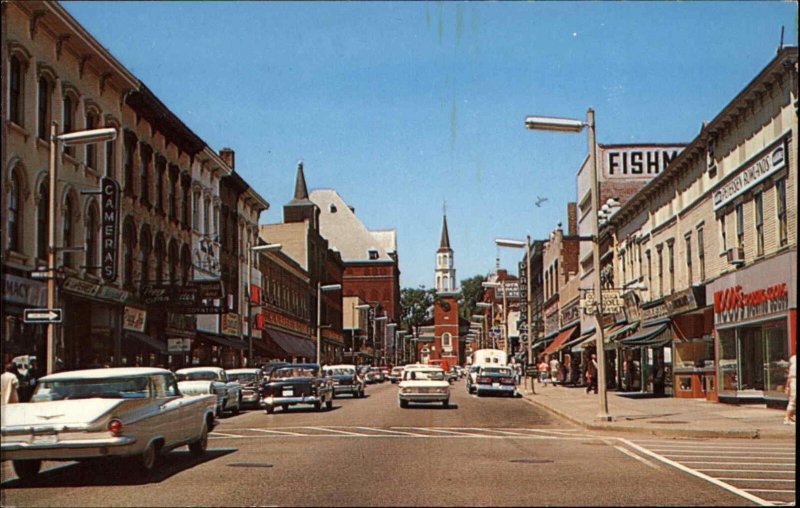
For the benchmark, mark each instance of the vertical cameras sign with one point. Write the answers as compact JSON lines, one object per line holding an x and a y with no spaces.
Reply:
{"x":109,"y":228}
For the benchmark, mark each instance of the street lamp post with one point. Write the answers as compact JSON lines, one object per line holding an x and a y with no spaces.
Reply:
{"x":527,"y":245}
{"x":322,"y":289}
{"x":375,"y":336}
{"x":361,"y":307}
{"x":575,"y":126}
{"x":491,"y":322}
{"x":56,"y":142}
{"x":389,"y":326}
{"x":504,"y":325}
{"x":250,"y":251}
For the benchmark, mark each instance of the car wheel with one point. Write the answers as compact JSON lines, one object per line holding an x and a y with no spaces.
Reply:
{"x":27,"y":470}
{"x":329,"y":404}
{"x":198,"y":448}
{"x":146,"y":461}
{"x":269,"y":409}
{"x":285,"y":407}
{"x":446,"y":403}
{"x":318,"y":406}
{"x":404,"y":404}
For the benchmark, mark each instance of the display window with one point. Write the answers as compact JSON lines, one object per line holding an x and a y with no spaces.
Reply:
{"x":753,"y":359}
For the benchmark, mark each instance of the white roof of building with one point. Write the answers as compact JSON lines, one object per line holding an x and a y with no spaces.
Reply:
{"x":343,"y":230}
{"x":105,"y":373}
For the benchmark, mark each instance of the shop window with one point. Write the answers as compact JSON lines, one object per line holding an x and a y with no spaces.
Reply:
{"x":694,"y":353}
{"x":16,"y":91}
{"x":780,"y":193}
{"x":759,"y":206}
{"x":728,"y":378}
{"x":14,"y":226}
{"x":776,"y":358}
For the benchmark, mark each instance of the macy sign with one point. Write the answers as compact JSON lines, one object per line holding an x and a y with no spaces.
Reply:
{"x":731,"y":304}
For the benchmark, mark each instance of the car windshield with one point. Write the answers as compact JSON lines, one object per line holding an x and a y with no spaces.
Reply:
{"x":339,"y":372}
{"x":474,"y":369}
{"x":497,"y":370}
{"x":291,"y":372}
{"x":397,"y":370}
{"x":113,"y":388}
{"x":197,"y":375}
{"x":242,"y":377}
{"x":424,"y":375}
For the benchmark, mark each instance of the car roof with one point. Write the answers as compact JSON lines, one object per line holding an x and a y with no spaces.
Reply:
{"x":105,"y":373}
{"x":198,"y":369}
{"x":425,"y":367}
{"x":341,"y":366}
{"x":244,"y":371}
{"x":304,"y":365}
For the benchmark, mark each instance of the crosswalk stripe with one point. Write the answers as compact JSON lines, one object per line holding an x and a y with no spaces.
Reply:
{"x":660,"y":450}
{"x":344,"y":432}
{"x":448,"y":432}
{"x":763,"y":471}
{"x":278,"y":432}
{"x":396,"y":432}
{"x":755,"y":480}
{"x":726,"y":457}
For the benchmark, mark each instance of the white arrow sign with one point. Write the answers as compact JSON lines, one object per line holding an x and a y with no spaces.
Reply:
{"x":42,"y":316}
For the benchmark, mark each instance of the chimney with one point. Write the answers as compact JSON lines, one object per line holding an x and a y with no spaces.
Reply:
{"x":572,"y":218}
{"x":229,"y":156}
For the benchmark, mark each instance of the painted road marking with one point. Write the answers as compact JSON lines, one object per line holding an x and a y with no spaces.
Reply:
{"x":394,"y":432}
{"x":640,"y":459}
{"x":277,"y":432}
{"x":661,"y":450}
{"x":223,"y":434}
{"x":328,"y":429}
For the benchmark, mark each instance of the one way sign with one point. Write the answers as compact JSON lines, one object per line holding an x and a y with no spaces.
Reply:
{"x":42,"y":316}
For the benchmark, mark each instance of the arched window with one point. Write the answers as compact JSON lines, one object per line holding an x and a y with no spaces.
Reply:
{"x":159,"y":257}
{"x":144,"y":257}
{"x":447,"y":340}
{"x":92,"y":227}
{"x":68,"y":230}
{"x":173,"y":262}
{"x":186,"y":265}
{"x":43,"y":112}
{"x":69,"y":105}
{"x":128,"y":249}
{"x":207,"y":216}
{"x":16,"y":91}
{"x":15,"y":212}
{"x":92,"y":121}
{"x":42,"y":220}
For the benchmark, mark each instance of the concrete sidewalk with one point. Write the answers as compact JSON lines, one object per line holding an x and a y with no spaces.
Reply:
{"x":663,"y":416}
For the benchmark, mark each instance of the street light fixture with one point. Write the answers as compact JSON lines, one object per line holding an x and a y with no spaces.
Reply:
{"x":56,"y":142}
{"x":504,"y":325}
{"x":571,"y":125}
{"x":518,"y":244}
{"x":322,"y":289}
{"x":254,"y":248}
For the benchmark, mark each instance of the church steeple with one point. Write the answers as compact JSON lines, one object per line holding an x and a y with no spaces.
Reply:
{"x":301,"y":208}
{"x":300,"y":188}
{"x":445,"y":277}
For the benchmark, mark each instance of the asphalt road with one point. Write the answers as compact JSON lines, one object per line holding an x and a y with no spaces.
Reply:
{"x":369,"y":452}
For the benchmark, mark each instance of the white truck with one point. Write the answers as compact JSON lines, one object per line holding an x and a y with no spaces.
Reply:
{"x":484,"y":358}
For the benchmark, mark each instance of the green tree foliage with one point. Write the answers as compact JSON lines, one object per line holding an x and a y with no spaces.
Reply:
{"x":414,"y":304}
{"x":471,"y":294}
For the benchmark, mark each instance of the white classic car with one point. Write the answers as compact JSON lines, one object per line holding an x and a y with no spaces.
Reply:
{"x":212,"y":380}
{"x":423,"y":384}
{"x":136,"y":413}
{"x":250,"y":381}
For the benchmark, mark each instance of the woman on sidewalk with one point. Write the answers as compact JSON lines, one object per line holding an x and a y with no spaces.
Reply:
{"x":591,"y":375}
{"x":791,"y":389}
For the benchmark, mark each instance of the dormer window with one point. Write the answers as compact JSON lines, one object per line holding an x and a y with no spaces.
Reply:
{"x":373,"y":254}
{"x":332,"y":208}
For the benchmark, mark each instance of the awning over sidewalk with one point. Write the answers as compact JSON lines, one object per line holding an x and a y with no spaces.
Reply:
{"x":221,"y":341}
{"x":560,"y":339}
{"x":619,"y":332}
{"x":147,"y":340}
{"x":650,"y":336}
{"x":294,"y":346}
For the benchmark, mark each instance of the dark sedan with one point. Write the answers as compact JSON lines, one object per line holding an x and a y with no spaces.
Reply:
{"x":297,"y":383}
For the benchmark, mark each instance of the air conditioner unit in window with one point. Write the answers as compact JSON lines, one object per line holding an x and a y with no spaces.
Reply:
{"x":736,"y":256}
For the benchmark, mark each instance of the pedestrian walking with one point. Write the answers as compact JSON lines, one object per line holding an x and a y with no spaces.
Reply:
{"x":555,"y":366}
{"x":543,"y":369}
{"x":8,"y":384}
{"x":591,"y":375}
{"x":791,"y":389}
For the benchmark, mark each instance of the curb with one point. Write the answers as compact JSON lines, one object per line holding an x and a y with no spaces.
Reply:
{"x":661,"y":432}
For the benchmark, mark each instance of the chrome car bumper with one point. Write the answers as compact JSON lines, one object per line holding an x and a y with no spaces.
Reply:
{"x":492,"y":388}
{"x":346,"y":388}
{"x":423,"y":397}
{"x":69,"y":449}
{"x":277,"y":401}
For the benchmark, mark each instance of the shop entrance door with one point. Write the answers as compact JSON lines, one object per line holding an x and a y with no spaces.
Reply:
{"x":751,"y":359}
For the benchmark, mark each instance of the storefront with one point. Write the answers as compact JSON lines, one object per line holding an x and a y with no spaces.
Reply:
{"x":645,"y":357}
{"x":756,"y":328}
{"x":20,"y":338}
{"x":694,"y":372}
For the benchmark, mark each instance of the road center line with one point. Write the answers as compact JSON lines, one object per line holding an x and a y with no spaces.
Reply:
{"x":223,"y":434}
{"x":698,"y":474}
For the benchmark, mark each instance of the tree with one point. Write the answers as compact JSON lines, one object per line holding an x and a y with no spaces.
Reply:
{"x":414,"y":305}
{"x":471,"y":294}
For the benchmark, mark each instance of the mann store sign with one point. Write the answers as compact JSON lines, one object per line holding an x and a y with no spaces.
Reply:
{"x":638,"y":162}
{"x":755,"y":171}
{"x":732,"y":305}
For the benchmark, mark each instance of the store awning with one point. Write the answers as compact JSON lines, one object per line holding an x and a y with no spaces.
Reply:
{"x":294,"y":346}
{"x":649,"y":336}
{"x":222,"y":341}
{"x":269,"y":348}
{"x":572,"y":342}
{"x":560,"y":339}
{"x":148,"y":340}
{"x":619,"y":332}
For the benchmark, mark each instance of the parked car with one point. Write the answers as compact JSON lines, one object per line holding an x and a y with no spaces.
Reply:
{"x":452,"y":374}
{"x":250,"y":382}
{"x":345,"y":379}
{"x":132,"y":413}
{"x":368,"y":375}
{"x":213,"y":380}
{"x":498,"y":380}
{"x":396,"y":374}
{"x":423,"y":384}
{"x":472,"y":376}
{"x":297,"y":383}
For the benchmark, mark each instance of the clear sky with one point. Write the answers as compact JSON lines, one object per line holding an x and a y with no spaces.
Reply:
{"x":400,"y":106}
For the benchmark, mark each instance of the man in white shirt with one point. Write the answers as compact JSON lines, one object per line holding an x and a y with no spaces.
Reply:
{"x":8,"y":385}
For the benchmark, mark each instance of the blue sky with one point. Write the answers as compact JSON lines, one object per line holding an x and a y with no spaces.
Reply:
{"x":400,"y":106}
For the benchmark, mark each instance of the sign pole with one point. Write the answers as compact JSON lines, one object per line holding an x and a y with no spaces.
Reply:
{"x":51,"y":245}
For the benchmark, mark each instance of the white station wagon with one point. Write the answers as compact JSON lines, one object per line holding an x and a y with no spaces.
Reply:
{"x":135,"y":413}
{"x":423,"y":384}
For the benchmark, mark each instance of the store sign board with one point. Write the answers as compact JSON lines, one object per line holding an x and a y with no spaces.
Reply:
{"x":732,"y":304}
{"x":686,"y":300}
{"x":231,"y":324}
{"x":632,"y":311}
{"x":134,"y":319}
{"x":109,"y":236}
{"x":654,"y":311}
{"x":274,"y":318}
{"x":80,"y":287}
{"x":24,"y":291}
{"x":638,"y":162}
{"x":179,"y":345}
{"x":755,"y":171}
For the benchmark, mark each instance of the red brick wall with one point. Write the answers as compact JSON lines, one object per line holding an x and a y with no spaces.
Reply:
{"x":374,"y":282}
{"x":445,"y":320}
